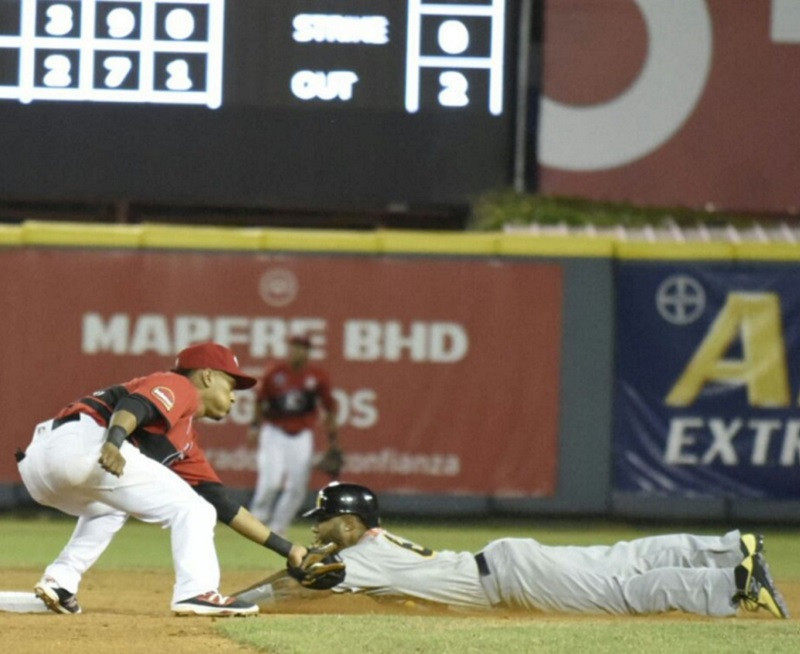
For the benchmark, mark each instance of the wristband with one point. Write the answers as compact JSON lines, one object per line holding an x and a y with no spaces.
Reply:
{"x":278,"y":544}
{"x":116,"y":435}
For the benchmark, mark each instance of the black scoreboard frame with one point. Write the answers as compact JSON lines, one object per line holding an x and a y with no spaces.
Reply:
{"x":264,"y":146}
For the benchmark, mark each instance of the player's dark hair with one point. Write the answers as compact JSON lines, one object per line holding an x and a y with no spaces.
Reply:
{"x":183,"y":372}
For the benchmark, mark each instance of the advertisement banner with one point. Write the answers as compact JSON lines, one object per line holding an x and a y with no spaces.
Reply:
{"x":688,"y":103}
{"x":707,"y":380}
{"x":446,"y":370}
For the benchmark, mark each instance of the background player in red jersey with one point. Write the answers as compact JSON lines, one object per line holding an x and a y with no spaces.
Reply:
{"x":132,"y":449}
{"x":286,"y":414}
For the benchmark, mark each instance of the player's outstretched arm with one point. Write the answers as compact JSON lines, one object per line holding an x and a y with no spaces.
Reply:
{"x":277,"y":589}
{"x":245,"y":523}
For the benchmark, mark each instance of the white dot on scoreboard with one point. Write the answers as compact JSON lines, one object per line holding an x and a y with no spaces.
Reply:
{"x":179,"y":24}
{"x":121,"y":23}
{"x":453,"y":37}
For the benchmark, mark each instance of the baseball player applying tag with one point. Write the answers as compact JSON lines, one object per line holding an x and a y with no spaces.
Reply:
{"x":132,"y":449}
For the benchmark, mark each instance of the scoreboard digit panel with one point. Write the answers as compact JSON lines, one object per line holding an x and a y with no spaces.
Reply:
{"x":157,"y":51}
{"x":302,"y":103}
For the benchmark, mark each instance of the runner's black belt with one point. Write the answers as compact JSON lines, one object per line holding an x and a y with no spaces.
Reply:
{"x":483,"y":568}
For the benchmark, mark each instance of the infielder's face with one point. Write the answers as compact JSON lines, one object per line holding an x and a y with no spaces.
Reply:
{"x":218,"y":396}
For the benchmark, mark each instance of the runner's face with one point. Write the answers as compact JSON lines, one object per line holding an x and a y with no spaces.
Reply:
{"x":330,"y":531}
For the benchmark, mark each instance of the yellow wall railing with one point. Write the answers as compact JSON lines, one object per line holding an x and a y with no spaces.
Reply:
{"x":159,"y":236}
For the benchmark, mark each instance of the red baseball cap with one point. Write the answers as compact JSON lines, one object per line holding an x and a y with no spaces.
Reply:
{"x":214,"y":356}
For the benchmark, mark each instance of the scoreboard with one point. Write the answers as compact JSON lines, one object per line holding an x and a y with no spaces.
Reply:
{"x":281,"y":103}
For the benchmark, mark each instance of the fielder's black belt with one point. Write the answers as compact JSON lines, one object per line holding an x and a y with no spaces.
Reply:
{"x":483,"y":569}
{"x":19,"y":455}
{"x":60,"y":422}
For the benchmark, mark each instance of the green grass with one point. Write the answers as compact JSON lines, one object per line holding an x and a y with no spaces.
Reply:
{"x":34,"y":542}
{"x":380,"y":634}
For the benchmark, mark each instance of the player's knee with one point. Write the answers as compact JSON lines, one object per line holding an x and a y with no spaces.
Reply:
{"x":208,"y":512}
{"x":197,"y":510}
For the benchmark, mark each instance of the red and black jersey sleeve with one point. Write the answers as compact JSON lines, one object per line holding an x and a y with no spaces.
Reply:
{"x":100,"y":404}
{"x":173,"y":395}
{"x":171,"y":436}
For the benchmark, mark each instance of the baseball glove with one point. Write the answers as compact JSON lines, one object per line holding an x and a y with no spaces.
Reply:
{"x":331,"y":462}
{"x":321,"y":568}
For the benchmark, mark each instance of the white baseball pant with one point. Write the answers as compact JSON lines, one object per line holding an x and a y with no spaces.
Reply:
{"x":284,"y":468}
{"x":61,"y":469}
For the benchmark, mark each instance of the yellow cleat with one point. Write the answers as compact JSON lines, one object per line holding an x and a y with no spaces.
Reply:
{"x":756,"y":588}
{"x":751,"y":544}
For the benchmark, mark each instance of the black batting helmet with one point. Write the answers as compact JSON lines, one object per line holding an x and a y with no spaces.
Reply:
{"x":341,"y":499}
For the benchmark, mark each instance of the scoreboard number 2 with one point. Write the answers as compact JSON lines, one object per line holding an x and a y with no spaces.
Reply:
{"x":58,"y":71}
{"x":454,"y":89}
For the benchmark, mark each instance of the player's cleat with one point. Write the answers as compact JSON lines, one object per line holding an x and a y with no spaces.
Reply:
{"x":756,"y":588}
{"x":743,"y":575}
{"x":56,"y":598}
{"x":767,"y":594}
{"x":751,"y":544}
{"x":214,"y":604}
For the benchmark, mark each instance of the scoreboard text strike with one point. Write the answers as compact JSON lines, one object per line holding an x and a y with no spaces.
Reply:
{"x":451,"y":54}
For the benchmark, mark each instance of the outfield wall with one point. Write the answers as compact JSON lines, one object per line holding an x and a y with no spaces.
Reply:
{"x":706,"y":417}
{"x":475,"y":372}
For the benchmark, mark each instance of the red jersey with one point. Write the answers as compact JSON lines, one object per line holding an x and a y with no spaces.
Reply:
{"x":171,"y":438}
{"x":293,"y":396}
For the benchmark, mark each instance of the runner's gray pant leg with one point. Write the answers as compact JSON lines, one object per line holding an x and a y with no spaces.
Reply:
{"x":704,"y":591}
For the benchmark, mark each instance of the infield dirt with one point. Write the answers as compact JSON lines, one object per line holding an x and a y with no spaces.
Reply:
{"x":127,"y":612}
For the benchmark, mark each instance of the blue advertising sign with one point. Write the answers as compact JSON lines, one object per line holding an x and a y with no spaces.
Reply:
{"x":707,"y":380}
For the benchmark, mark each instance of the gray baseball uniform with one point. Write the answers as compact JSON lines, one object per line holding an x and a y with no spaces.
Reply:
{"x":646,"y":575}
